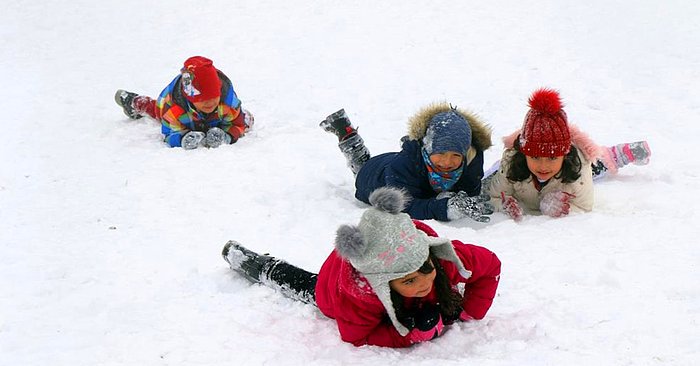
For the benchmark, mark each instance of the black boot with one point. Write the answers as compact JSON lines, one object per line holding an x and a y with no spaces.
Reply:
{"x":338,"y":124}
{"x":355,"y":152}
{"x":246,"y":262}
{"x":125,"y":100}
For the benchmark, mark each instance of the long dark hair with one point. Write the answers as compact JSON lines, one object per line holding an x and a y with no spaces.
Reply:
{"x":518,"y":171}
{"x":449,"y":300}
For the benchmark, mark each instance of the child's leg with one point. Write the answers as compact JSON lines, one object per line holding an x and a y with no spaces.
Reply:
{"x":349,"y":141}
{"x":145,"y":105}
{"x":599,"y":169}
{"x":615,"y":157}
{"x":637,"y":153}
{"x":291,"y":281}
{"x":488,"y":176}
{"x":355,"y":151}
{"x":135,"y":106}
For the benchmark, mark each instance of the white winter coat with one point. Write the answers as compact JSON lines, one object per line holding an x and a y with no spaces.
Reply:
{"x":529,"y":197}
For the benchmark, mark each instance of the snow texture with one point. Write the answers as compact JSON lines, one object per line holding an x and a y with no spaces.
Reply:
{"x":110,"y":241}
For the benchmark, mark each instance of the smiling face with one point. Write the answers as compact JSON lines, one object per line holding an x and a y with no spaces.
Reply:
{"x":415,"y":284}
{"x":544,"y":168}
{"x":447,"y":161}
{"x":208,"y":105}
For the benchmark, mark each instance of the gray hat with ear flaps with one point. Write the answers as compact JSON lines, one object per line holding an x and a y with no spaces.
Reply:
{"x":386,"y":245}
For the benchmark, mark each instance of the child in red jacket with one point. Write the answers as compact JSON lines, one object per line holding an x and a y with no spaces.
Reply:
{"x":199,"y":107}
{"x":390,"y":280}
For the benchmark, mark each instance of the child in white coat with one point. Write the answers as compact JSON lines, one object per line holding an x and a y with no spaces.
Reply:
{"x":549,"y":165}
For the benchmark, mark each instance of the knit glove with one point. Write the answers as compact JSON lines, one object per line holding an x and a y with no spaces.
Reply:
{"x":461,"y":205}
{"x":556,"y":204}
{"x":510,"y":206}
{"x":191,"y":140}
{"x":215,"y":137}
{"x":426,"y":324}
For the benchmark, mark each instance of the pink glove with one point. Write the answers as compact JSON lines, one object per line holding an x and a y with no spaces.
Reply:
{"x":418,"y":335}
{"x":510,"y":206}
{"x":556,"y":204}
{"x":463,"y":316}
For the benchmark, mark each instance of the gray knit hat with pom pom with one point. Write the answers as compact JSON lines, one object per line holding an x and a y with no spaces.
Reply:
{"x":386,"y":245}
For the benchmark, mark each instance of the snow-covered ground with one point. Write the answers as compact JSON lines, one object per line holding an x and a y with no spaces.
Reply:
{"x":110,"y":242}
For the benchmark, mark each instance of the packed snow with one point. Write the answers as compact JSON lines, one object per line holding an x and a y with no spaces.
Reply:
{"x":110,"y":241}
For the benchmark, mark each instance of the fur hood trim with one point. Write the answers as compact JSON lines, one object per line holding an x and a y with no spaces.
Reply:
{"x":418,"y":124}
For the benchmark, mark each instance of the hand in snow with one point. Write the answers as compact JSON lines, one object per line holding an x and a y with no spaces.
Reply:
{"x":191,"y":140}
{"x":215,"y":137}
{"x":426,"y":324}
{"x":463,"y":316}
{"x":461,"y":205}
{"x":249,"y":120}
{"x":510,"y":206}
{"x":556,"y":204}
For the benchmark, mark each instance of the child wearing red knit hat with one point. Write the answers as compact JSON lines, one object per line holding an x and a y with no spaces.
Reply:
{"x":199,"y":107}
{"x":549,"y":165}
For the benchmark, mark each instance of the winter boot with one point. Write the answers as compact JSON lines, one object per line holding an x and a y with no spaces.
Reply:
{"x":251,"y":265}
{"x":355,"y":151}
{"x":338,"y":124}
{"x":125,"y":100}
{"x":637,"y":153}
{"x":599,"y":169}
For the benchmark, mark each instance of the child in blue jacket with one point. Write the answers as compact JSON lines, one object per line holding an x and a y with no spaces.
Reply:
{"x":440,"y":165}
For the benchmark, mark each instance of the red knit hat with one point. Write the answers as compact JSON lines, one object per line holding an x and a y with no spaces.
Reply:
{"x":200,"y":80}
{"x":545,"y":132}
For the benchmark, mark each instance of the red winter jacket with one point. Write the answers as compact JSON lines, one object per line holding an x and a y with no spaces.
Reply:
{"x":345,"y":295}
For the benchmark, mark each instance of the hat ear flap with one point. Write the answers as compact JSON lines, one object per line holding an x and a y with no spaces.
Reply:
{"x":349,"y":242}
{"x":443,"y":249}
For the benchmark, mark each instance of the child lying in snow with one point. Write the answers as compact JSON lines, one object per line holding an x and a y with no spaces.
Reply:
{"x":549,"y":165}
{"x":440,"y":165}
{"x":198,"y":107}
{"x":389,"y":282}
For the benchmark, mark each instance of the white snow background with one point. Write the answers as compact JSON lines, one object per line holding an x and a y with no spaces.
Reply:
{"x":110,"y":241}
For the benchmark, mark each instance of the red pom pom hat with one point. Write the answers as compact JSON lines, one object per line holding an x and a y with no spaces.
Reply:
{"x":545,"y":132}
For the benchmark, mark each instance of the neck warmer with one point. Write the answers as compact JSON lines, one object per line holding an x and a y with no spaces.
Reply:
{"x":441,"y":181}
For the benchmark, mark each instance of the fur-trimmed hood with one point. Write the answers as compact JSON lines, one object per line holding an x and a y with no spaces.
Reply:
{"x":418,"y":124}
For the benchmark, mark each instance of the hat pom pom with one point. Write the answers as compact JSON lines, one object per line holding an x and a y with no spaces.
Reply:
{"x":545,"y":101}
{"x":388,"y":199}
{"x":349,"y":242}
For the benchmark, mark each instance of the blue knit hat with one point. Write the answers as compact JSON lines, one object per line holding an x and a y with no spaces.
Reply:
{"x":447,"y":131}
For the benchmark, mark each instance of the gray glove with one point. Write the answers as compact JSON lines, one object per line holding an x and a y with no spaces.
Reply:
{"x":191,"y":140}
{"x":461,"y":205}
{"x":215,"y":137}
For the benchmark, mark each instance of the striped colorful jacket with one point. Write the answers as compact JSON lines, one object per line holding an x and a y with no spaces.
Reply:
{"x":178,"y":116}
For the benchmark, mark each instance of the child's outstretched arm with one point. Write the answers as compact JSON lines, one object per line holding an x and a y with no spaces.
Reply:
{"x":480,"y":288}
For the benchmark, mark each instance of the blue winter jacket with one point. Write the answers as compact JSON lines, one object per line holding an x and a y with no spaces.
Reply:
{"x":406,"y":169}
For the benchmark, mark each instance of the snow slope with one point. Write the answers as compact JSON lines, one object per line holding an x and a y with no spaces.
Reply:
{"x":110,"y":242}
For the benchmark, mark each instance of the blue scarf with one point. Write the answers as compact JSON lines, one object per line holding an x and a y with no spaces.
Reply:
{"x":441,"y":181}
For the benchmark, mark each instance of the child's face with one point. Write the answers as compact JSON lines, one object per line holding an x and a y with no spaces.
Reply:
{"x":207,"y":106}
{"x":414,"y":284}
{"x":447,"y":161}
{"x":544,"y":168}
